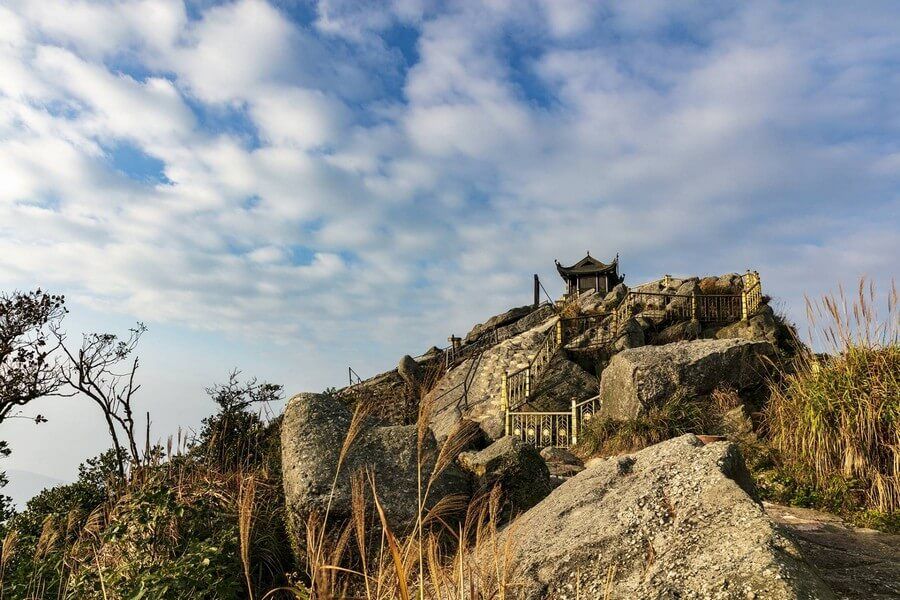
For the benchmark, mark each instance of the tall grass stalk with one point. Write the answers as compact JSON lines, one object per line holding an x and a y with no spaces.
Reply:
{"x":246,"y":497}
{"x":438,"y":558}
{"x":835,"y":419}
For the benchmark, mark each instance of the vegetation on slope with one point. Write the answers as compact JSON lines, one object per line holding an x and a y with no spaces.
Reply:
{"x":834,"y":421}
{"x":203,"y":519}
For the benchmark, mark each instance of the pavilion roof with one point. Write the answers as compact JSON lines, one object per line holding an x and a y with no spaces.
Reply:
{"x":589,"y":266}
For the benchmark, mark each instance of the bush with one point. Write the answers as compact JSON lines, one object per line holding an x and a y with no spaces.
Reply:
{"x":677,"y":416}
{"x":835,"y":419}
{"x":205,"y":524}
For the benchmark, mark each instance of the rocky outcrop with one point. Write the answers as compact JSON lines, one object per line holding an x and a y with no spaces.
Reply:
{"x":409,"y":371}
{"x":670,"y":521}
{"x":630,"y":335}
{"x":615,"y":297}
{"x":312,"y":434}
{"x":761,"y":326}
{"x":730,"y":283}
{"x":529,"y":321}
{"x":561,"y":462}
{"x":516,"y":467}
{"x":678,"y":332}
{"x":640,"y":378}
{"x":387,"y":396}
{"x":562,"y":381}
{"x":501,"y":320}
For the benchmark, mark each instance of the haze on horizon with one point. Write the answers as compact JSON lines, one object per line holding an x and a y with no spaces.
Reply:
{"x":291,"y":187}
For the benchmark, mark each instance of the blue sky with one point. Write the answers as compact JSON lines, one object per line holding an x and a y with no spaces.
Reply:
{"x":290,"y":187}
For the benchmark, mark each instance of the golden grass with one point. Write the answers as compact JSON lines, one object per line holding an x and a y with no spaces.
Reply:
{"x":835,"y":419}
{"x":443,"y":557}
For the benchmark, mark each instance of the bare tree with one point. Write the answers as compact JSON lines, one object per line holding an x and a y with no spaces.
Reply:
{"x":104,"y":369}
{"x":27,"y":371}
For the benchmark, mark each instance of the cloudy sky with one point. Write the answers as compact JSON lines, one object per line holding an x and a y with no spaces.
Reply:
{"x":292,"y":187}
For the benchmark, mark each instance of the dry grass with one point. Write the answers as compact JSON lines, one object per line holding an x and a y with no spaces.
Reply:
{"x":676,"y":416}
{"x":154,"y":524}
{"x":835,"y":420}
{"x":443,"y":557}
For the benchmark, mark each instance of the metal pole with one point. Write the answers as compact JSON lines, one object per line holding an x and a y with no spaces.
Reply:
{"x":537,"y":291}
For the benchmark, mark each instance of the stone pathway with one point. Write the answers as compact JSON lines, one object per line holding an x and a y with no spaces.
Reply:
{"x":856,"y":563}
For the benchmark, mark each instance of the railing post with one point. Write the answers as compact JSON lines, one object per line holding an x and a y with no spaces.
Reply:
{"x":744,"y":308}
{"x":527,"y":383}
{"x":504,"y":400}
{"x":695,"y":314}
{"x":559,"y":333}
{"x":575,"y":425}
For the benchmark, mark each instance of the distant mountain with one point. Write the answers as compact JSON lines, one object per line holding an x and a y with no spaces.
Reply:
{"x":25,"y":484}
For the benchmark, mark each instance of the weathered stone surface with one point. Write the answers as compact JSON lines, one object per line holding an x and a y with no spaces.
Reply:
{"x":670,"y":521}
{"x":561,"y":462}
{"x":514,"y":465}
{"x":472,"y":388}
{"x":615,"y":296}
{"x":589,"y":300}
{"x":737,"y":422}
{"x":631,"y":335}
{"x":510,"y":316}
{"x":529,"y":321}
{"x":640,"y":378}
{"x":386,"y":395}
{"x":409,"y":371}
{"x":312,"y":434}
{"x":678,"y":332}
{"x":858,"y":564}
{"x":686,"y":287}
{"x":730,"y":283}
{"x":683,"y":294}
{"x":761,"y":326}
{"x":562,"y":381}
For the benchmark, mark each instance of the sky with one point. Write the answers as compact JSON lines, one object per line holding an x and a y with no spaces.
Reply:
{"x":291,"y":187}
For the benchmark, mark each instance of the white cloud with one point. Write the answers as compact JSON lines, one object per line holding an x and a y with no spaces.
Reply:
{"x":300,"y":117}
{"x":306,"y":173}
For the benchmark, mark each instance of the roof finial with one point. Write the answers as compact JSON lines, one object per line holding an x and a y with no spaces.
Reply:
{"x":588,"y":252}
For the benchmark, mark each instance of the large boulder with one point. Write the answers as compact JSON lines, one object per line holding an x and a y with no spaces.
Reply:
{"x":670,"y":521}
{"x":630,"y":335}
{"x":761,"y":326}
{"x":529,"y":321}
{"x":561,"y":462}
{"x":562,"y":380}
{"x":615,"y":297}
{"x":312,"y":435}
{"x":516,"y":467}
{"x":638,"y":379}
